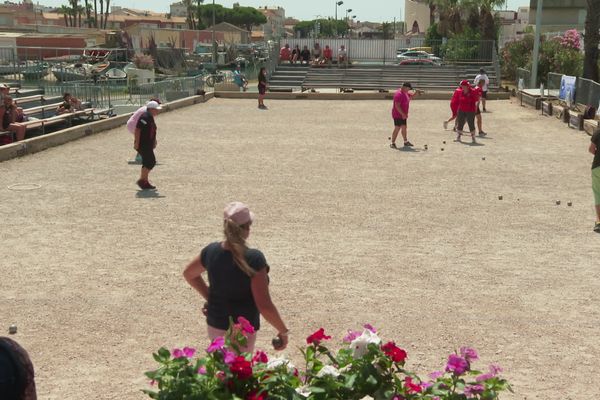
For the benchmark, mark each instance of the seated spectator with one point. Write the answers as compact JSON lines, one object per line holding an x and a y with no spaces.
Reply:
{"x":327,"y":55}
{"x":342,"y":56}
{"x":239,"y":79}
{"x":305,"y":55}
{"x":69,"y":104}
{"x":16,"y":372}
{"x":9,"y":117}
{"x":4,"y":91}
{"x":317,"y":54}
{"x":284,"y":54}
{"x":296,"y":54}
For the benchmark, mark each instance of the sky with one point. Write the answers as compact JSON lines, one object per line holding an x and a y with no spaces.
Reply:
{"x":372,"y":10}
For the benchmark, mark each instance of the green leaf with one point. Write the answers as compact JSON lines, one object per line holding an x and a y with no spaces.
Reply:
{"x":350,"y":381}
{"x":372,"y":380}
{"x":316,"y":389}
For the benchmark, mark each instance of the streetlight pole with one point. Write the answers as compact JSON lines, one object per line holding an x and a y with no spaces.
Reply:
{"x":536,"y":43}
{"x":337,"y":4}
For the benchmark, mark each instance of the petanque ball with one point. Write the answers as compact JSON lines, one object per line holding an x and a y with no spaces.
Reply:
{"x":558,"y":202}
{"x":425,"y":147}
{"x":277,"y":342}
{"x":500,"y":197}
{"x":442,"y":149}
{"x":444,"y":142}
{"x":569,"y":204}
{"x":483,"y":158}
{"x":12,"y":329}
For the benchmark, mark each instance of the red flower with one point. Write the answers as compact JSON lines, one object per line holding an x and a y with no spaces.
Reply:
{"x":394,"y":352}
{"x":412,"y":387}
{"x":241,"y":368}
{"x":317,"y":337}
{"x":254,"y":395}
{"x":260,"y":357}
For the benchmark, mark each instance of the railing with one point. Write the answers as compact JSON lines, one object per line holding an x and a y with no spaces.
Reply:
{"x":385,"y":51}
{"x":108,"y":95}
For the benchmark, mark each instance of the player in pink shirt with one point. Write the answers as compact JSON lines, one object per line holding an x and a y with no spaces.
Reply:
{"x":453,"y":108}
{"x":402,"y":99}
{"x":467,"y":107}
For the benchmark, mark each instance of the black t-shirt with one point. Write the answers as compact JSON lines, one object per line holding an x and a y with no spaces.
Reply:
{"x":6,"y":118}
{"x":262,"y":80}
{"x":230,"y":293}
{"x":596,"y":141}
{"x":305,"y":54}
{"x":147,"y":128}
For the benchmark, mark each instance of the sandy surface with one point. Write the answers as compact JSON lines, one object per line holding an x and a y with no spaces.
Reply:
{"x":416,"y":243}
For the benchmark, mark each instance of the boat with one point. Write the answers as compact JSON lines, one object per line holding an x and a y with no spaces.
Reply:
{"x":35,"y":71}
{"x":79,"y":71}
{"x":115,"y":73}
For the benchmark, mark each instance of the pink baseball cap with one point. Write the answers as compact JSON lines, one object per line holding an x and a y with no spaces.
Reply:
{"x":238,"y":212}
{"x":465,"y":83}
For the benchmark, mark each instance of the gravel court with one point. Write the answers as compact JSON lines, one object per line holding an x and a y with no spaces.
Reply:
{"x":416,"y":243}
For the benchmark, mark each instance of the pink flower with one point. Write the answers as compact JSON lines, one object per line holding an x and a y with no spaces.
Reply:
{"x":370,"y":327}
{"x":436,"y":374}
{"x":189,"y":352}
{"x":473,"y":390}
{"x":456,"y":364}
{"x":246,"y":325}
{"x":495,"y":369}
{"x":317,"y":337}
{"x":260,"y":357}
{"x":469,"y":354}
{"x":202,"y":370}
{"x":152,"y":382}
{"x":484,"y":377}
{"x":228,"y":356}
{"x":177,"y":353}
{"x":217,"y":344}
{"x":351,"y":336}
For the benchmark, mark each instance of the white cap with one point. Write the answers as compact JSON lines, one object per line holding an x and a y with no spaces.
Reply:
{"x":153,"y":105}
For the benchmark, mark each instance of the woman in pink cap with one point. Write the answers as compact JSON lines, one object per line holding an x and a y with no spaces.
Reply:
{"x":238,"y":280}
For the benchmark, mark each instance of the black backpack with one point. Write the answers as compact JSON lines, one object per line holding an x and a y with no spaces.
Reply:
{"x":590,"y":112}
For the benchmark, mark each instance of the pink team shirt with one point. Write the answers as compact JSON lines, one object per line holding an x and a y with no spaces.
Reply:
{"x":403,"y":99}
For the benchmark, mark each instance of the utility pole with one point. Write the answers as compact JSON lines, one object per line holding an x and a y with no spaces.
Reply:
{"x":214,"y":52}
{"x":536,"y":43}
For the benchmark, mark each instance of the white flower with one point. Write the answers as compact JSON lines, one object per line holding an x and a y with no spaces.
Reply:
{"x":359,"y":345}
{"x":328,"y":370}
{"x":367,"y":398}
{"x":303,"y":391}
{"x":275,"y":363}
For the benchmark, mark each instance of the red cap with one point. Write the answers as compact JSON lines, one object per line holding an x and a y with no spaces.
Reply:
{"x":465,"y":82}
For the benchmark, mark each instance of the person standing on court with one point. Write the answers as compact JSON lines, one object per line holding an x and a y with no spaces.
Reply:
{"x":595,"y":150}
{"x":478,"y":118}
{"x":402,"y":99}
{"x":238,"y":280}
{"x":483,"y":76}
{"x":262,"y":88}
{"x":467,"y":107}
{"x":145,"y":142}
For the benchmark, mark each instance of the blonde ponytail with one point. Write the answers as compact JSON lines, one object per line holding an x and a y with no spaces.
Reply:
{"x":236,"y":242}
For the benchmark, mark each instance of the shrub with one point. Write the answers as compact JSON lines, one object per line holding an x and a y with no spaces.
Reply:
{"x":143,"y":61}
{"x":365,"y":367}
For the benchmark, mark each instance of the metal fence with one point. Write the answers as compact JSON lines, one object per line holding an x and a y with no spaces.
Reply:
{"x":386,"y":51}
{"x":104,"y":95}
{"x":587,"y":92}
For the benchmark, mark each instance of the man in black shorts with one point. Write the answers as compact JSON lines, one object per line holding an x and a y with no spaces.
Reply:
{"x":145,"y":142}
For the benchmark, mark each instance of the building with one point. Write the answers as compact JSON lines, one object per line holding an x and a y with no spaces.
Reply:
{"x":416,"y":16}
{"x":512,"y":25}
{"x":560,"y":15}
{"x":275,"y":26}
{"x":231,"y":33}
{"x":178,"y":10}
{"x":188,"y":39}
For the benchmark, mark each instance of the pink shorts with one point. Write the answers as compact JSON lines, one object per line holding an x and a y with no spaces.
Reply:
{"x":214,"y":333}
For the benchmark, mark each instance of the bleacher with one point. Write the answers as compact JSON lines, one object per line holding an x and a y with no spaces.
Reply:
{"x":41,"y":115}
{"x":377,"y":77}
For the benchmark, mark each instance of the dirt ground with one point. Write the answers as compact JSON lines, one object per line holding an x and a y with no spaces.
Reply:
{"x":415,"y":243}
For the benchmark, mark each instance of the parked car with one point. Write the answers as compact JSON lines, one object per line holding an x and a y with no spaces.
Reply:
{"x":411,"y":55}
{"x":418,"y":61}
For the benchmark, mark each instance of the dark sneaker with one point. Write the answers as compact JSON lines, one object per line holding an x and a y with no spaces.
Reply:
{"x":150,"y":186}
{"x":482,"y":134}
{"x":597,"y":227}
{"x":408,"y":144}
{"x":141,"y":184}
{"x":458,"y":137}
{"x":393,"y":145}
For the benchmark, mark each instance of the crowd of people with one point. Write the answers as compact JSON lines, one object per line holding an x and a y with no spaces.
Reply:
{"x":316,"y":56}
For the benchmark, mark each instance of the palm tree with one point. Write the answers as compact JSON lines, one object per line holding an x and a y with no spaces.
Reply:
{"x":66,"y":12}
{"x":101,"y":14}
{"x":106,"y":13}
{"x":96,"y":13}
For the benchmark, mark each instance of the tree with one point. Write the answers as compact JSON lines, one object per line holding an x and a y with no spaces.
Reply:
{"x":386,"y":30}
{"x":592,"y":41}
{"x":245,"y":17}
{"x":95,"y":13}
{"x":66,"y":12}
{"x":106,"y":13}
{"x":88,"y":13}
